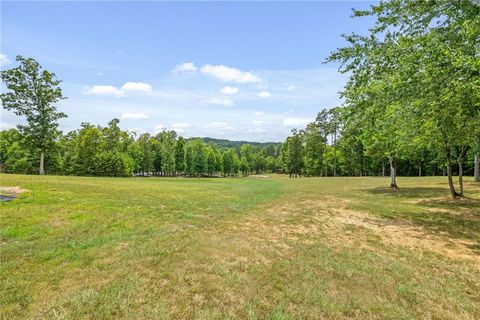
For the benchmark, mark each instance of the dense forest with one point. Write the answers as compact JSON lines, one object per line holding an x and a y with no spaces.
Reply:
{"x":411,"y":107}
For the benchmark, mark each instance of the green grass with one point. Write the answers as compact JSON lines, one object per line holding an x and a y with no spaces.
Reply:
{"x":249,"y":248}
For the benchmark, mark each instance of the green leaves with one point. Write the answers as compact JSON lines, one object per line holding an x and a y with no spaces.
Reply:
{"x":32,"y":93}
{"x":415,"y":75}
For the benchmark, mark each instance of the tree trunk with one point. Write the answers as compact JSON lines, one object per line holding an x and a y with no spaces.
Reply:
{"x":460,"y":171}
{"x":41,"y":171}
{"x":476,"y":173}
{"x":393,"y":172}
{"x":449,"y":172}
{"x":420,"y":168}
{"x":383,"y":169}
{"x":460,"y":177}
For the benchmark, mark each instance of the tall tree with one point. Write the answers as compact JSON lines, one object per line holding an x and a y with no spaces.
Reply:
{"x":196,"y":157}
{"x":33,"y":93}
{"x":335,"y":126}
{"x":292,"y":154}
{"x":228,"y":162}
{"x":324,"y":128}
{"x":180,"y":155}
{"x":314,"y":150}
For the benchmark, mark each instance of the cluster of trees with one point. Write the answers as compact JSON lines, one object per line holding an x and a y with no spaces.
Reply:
{"x":332,"y":146}
{"x":413,"y":94}
{"x":110,"y":151}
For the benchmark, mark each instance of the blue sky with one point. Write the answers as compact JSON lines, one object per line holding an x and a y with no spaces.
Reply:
{"x":235,"y":70}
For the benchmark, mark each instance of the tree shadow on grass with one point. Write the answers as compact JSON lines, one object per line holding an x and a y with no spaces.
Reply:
{"x":417,"y":192}
{"x":458,"y":218}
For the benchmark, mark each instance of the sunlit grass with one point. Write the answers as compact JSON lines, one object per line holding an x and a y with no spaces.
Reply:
{"x":137,"y":248}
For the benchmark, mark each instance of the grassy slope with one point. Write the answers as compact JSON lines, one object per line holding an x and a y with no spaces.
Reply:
{"x":241,"y":248}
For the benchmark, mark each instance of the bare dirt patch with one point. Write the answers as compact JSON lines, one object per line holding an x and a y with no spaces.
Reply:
{"x":12,"y":191}
{"x":303,"y":222}
{"x":406,"y":234}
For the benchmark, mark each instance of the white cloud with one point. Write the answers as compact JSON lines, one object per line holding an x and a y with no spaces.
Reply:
{"x":99,"y":73}
{"x":229,"y":90}
{"x":134,"y":115}
{"x":264,"y":94}
{"x":187,"y":67}
{"x":228,"y":74}
{"x":257,"y":130}
{"x":182,"y":125}
{"x":259,"y":113}
{"x":220,"y":126}
{"x":106,"y":90}
{"x":295,"y":122}
{"x":4,"y":60}
{"x":220,"y":101}
{"x":137,"y":87}
{"x":291,"y":88}
{"x":260,"y":122}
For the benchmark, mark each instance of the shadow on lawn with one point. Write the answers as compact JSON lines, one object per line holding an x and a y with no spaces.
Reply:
{"x":458,"y":218}
{"x":417,"y":192}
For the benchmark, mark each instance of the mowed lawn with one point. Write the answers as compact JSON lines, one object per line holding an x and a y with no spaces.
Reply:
{"x":239,"y":248}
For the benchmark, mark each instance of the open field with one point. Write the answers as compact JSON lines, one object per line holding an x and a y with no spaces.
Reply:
{"x":249,"y":248}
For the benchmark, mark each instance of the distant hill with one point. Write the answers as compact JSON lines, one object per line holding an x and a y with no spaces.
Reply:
{"x":224,"y":143}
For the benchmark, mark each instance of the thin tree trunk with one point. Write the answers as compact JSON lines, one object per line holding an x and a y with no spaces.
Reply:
{"x":393,"y":172}
{"x":420,"y":168}
{"x":449,"y":172}
{"x":460,"y":177}
{"x":460,"y":171}
{"x":383,"y":169}
{"x":476,"y":173}
{"x":41,"y":171}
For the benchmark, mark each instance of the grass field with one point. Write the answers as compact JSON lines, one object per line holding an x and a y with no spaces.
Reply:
{"x":247,"y":248}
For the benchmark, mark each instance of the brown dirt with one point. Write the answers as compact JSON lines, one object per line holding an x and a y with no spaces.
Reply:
{"x":12,"y":191}
{"x":284,"y":225}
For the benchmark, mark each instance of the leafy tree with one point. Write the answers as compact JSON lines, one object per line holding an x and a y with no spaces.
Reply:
{"x":229,"y":157}
{"x":246,"y":158}
{"x":89,"y":142}
{"x":244,"y":166}
{"x":180,"y":155}
{"x":292,"y":155}
{"x":18,"y":160}
{"x":314,"y":150}
{"x":7,"y":138}
{"x":196,"y":157}
{"x":146,"y":154}
{"x":211,"y":161}
{"x":33,"y":93}
{"x":419,"y":63}
{"x":335,"y":122}
{"x":167,"y":141}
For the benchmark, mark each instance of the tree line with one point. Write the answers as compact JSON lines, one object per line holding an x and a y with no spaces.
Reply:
{"x":412,"y":97}
{"x":109,"y":151}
